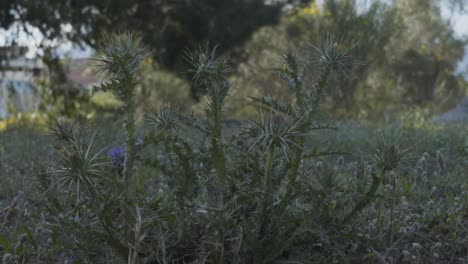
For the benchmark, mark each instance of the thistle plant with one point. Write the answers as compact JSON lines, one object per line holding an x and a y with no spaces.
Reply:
{"x":119,"y":59}
{"x":211,"y":73}
{"x":272,"y":132}
{"x":387,"y":158}
{"x":79,"y":167}
{"x":330,"y":56}
{"x":85,"y":196}
{"x":265,"y":195}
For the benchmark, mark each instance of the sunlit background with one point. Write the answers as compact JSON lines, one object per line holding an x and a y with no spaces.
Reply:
{"x":414,"y":50}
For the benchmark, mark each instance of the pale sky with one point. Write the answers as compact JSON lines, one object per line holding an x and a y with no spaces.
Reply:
{"x":458,"y":20}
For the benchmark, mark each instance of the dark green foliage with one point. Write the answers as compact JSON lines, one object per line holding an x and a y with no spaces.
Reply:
{"x":171,"y":26}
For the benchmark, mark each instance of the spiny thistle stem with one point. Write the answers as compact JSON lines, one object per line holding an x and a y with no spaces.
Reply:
{"x":211,"y":72}
{"x":133,"y":257}
{"x":388,"y":158}
{"x":269,"y":168}
{"x":298,"y":151}
{"x":392,"y":209}
{"x":376,"y":181}
{"x":219,"y":158}
{"x":294,"y":169}
{"x":130,"y":129}
{"x":120,"y":59}
{"x":322,"y":82}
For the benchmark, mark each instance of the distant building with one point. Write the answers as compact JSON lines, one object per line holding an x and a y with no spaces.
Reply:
{"x":17,"y":75}
{"x":80,"y":73}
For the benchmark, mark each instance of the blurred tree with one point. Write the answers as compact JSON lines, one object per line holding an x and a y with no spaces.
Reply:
{"x":157,"y":87}
{"x":168,"y":26}
{"x":429,"y":55}
{"x":59,"y":96}
{"x":410,"y":54}
{"x":372,"y":30}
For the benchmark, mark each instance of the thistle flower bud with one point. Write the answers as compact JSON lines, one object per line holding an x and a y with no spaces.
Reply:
{"x":277,"y":119}
{"x":121,"y":56}
{"x":64,"y":130}
{"x":388,"y":156}
{"x":117,"y":157}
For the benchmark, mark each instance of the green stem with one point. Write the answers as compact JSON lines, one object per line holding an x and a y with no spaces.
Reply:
{"x":322,"y":82}
{"x":219,"y":159}
{"x":130,"y":129}
{"x":269,"y":168}
{"x":376,"y":181}
{"x":293,"y":171}
{"x":299,"y":93}
{"x":392,"y":211}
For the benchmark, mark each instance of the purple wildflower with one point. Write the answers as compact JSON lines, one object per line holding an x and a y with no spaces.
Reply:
{"x":117,"y":156}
